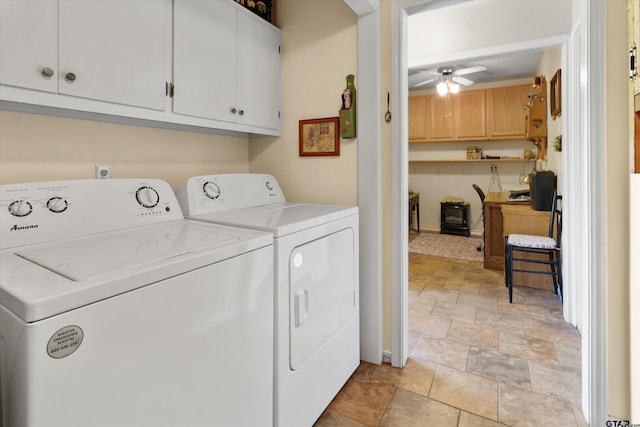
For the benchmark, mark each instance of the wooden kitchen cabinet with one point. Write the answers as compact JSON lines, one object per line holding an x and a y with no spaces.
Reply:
{"x":506,"y":116}
{"x":418,"y":118}
{"x":227,"y":64}
{"x":108,"y":51}
{"x":477,"y":115}
{"x":457,"y":117}
{"x":440,"y":118}
{"x":469,"y":112}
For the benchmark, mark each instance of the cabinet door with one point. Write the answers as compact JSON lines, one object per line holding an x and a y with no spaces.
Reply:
{"x":469,"y":114}
{"x":115,"y":51}
{"x":259,"y":72}
{"x":418,"y":118}
{"x":29,"y":44}
{"x":204,"y":59}
{"x":493,"y":236}
{"x":506,"y":116}
{"x":440,"y":117}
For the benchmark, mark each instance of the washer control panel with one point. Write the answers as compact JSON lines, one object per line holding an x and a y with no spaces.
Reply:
{"x":45,"y":211}
{"x":216,"y":193}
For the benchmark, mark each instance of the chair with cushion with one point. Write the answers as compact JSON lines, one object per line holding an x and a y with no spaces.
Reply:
{"x":518,"y":244}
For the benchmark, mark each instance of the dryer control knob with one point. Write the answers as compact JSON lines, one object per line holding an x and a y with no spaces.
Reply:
{"x":20,"y":208}
{"x":147,"y":197}
{"x":269,"y":185}
{"x":211,"y":190}
{"x":57,"y":204}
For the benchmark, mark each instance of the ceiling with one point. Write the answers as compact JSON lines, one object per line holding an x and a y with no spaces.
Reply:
{"x":499,"y":67}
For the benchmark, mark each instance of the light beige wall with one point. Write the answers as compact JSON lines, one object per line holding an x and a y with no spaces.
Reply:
{"x":46,"y":148}
{"x":319,"y":49}
{"x":550,"y":62}
{"x":616,"y":209}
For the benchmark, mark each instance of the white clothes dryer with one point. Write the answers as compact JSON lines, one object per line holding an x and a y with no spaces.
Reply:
{"x":117,"y":311}
{"x":317,"y":344}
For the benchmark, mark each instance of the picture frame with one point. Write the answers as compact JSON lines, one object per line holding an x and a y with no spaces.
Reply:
{"x":319,"y":137}
{"x":555,"y":95}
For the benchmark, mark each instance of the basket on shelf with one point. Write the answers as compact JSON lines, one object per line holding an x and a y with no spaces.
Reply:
{"x":474,"y":152}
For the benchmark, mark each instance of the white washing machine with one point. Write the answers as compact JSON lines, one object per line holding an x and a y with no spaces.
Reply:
{"x":117,"y":311}
{"x":317,"y":344}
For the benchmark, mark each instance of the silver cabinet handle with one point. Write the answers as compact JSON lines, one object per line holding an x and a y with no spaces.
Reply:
{"x":241,"y":112}
{"x":233,"y":110}
{"x":70,"y":77}
{"x":47,"y":72}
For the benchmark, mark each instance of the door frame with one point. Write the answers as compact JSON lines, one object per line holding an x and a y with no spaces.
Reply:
{"x":587,"y":163}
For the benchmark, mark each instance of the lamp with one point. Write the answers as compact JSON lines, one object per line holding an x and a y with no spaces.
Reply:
{"x":447,"y":86}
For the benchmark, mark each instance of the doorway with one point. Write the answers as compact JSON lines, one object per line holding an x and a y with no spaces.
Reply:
{"x":587,"y":116}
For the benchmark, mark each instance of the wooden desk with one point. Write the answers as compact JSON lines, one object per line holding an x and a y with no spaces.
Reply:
{"x":503,"y":218}
{"x":414,"y":202}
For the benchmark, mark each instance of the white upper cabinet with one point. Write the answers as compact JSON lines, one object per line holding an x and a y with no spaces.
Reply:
{"x":206,"y":64}
{"x":115,"y":50}
{"x":227,"y":64}
{"x":29,"y":44}
{"x":204,"y":59}
{"x":259,"y":72}
{"x":106,"y":50}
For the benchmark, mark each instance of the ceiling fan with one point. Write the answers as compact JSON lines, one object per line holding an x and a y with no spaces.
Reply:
{"x":449,"y":78}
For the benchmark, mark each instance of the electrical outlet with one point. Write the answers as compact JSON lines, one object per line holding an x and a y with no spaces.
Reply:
{"x":103,"y":172}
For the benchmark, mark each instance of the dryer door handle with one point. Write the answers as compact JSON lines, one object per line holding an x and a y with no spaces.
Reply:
{"x":301,"y":306}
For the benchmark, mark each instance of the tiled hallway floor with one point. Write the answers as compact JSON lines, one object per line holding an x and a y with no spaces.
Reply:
{"x":475,"y":359}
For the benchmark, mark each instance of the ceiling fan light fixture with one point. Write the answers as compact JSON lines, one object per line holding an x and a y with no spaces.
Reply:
{"x":454,"y":87}
{"x":442,"y":88}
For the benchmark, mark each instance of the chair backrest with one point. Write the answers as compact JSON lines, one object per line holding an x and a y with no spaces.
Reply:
{"x":555,"y":221}
{"x":479,"y":191}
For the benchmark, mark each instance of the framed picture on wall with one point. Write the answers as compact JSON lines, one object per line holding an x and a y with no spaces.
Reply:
{"x":319,"y":137}
{"x":555,"y":95}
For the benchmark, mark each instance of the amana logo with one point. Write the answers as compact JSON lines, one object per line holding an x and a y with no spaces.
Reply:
{"x":24,"y":227}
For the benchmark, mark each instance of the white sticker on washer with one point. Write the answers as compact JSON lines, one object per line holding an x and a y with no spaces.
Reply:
{"x":297,"y":259}
{"x":65,"y":341}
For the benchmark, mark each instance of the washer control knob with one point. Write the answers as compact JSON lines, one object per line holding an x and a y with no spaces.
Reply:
{"x":147,"y":197}
{"x":211,"y":190}
{"x":20,"y":208}
{"x":269,"y":185}
{"x":57,"y":204}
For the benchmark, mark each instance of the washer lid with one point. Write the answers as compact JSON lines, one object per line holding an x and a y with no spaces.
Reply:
{"x":43,"y":280}
{"x":280,"y":218}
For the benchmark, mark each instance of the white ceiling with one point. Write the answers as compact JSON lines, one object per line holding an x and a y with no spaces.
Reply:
{"x":489,"y":33}
{"x":499,"y":67}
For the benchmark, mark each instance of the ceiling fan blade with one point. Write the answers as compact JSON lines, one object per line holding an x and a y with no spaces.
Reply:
{"x":425,"y":82}
{"x":431,"y":71}
{"x":462,"y":80}
{"x":470,"y":70}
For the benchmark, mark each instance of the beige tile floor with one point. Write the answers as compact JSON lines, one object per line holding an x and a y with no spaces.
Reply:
{"x":475,"y":359}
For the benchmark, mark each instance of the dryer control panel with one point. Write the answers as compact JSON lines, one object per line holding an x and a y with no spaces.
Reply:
{"x":45,"y":211}
{"x":216,"y":193}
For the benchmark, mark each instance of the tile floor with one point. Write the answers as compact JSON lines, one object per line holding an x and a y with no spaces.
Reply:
{"x":475,"y":359}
